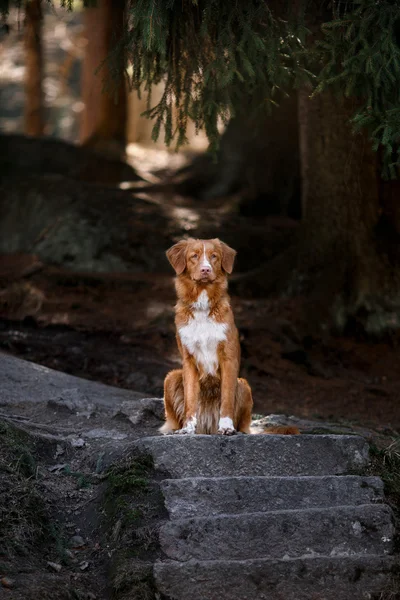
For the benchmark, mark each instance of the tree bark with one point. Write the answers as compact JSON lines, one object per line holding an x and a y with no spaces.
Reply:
{"x":104,"y":91}
{"x":347,"y":242}
{"x":33,"y":109}
{"x":259,"y":160}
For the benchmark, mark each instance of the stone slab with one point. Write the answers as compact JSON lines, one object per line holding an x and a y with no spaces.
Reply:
{"x":208,"y":496}
{"x":24,"y":382}
{"x":353,"y":578}
{"x":256,"y":455}
{"x":339,"y":531}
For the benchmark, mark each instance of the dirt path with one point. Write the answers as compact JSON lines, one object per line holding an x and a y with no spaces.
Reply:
{"x":118,"y":330}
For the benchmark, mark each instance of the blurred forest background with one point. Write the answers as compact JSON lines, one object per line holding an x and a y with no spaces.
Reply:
{"x":89,"y":203}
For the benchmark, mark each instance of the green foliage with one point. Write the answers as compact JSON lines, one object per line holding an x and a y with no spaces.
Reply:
{"x":359,"y":56}
{"x":215,"y":57}
{"x":218,"y":57}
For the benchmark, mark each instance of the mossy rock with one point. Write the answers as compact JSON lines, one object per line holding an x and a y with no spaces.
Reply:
{"x":133,"y":509}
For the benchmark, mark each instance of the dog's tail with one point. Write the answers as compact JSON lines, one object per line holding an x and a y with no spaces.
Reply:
{"x":282,"y":430}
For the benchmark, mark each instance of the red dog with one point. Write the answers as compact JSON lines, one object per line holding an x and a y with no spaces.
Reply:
{"x":205,"y":396}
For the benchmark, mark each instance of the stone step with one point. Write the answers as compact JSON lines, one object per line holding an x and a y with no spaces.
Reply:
{"x":323,"y":578}
{"x":207,"y":496}
{"x":339,"y":531}
{"x":255,"y":455}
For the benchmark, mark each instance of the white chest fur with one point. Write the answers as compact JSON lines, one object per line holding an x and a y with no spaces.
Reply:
{"x":202,"y":334}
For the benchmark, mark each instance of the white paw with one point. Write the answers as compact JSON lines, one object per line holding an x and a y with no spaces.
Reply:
{"x":184,"y":431}
{"x":225,"y":426}
{"x":189,"y":429}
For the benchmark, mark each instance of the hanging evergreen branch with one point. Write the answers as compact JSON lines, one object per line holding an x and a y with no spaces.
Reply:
{"x":215,"y":56}
{"x":360,"y":58}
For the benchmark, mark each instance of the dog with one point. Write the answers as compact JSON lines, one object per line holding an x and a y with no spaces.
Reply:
{"x":205,"y":396}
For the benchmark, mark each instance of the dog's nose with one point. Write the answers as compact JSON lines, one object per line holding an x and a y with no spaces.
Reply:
{"x":205,"y":270}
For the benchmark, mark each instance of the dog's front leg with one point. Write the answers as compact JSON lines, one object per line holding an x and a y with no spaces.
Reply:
{"x":191,"y":389}
{"x":229,"y":373}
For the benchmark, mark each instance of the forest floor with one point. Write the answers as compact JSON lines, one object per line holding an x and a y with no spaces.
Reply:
{"x":119,"y":329}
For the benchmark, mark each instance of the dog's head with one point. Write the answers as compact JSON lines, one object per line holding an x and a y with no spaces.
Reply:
{"x":204,"y":261}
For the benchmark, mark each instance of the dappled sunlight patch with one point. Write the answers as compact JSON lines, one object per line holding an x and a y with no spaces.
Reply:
{"x":187,"y":218}
{"x":148,"y":159}
{"x":60,"y":319}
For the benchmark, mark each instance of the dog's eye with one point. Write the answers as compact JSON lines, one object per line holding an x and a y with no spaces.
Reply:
{"x":213,"y":256}
{"x":194,"y":256}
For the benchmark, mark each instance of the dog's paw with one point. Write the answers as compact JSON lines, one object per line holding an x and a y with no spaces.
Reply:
{"x":183,"y":431}
{"x":189,"y":429}
{"x":225,"y":426}
{"x":227,"y":431}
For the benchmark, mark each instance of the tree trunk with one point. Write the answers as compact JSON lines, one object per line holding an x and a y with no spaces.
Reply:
{"x":348,"y":246}
{"x":259,"y":160}
{"x":104,"y":92}
{"x":33,"y":109}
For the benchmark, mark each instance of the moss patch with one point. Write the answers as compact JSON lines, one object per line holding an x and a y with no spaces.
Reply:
{"x":133,"y":510}
{"x":127,"y":486}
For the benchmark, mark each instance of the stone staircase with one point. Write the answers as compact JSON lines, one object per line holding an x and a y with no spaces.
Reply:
{"x":270,"y":517}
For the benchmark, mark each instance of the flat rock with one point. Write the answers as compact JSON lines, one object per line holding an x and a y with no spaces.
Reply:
{"x":256,"y":455}
{"x":339,"y":531}
{"x":141,"y":412}
{"x":49,"y":155}
{"x":323,"y":578}
{"x":26,"y":382}
{"x":91,"y":229}
{"x":207,"y":496}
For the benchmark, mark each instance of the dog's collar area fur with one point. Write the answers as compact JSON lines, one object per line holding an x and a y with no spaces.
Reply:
{"x":188,"y":291}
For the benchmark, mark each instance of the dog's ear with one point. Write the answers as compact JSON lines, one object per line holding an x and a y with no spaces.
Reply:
{"x":177,"y":256}
{"x":228,"y":257}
